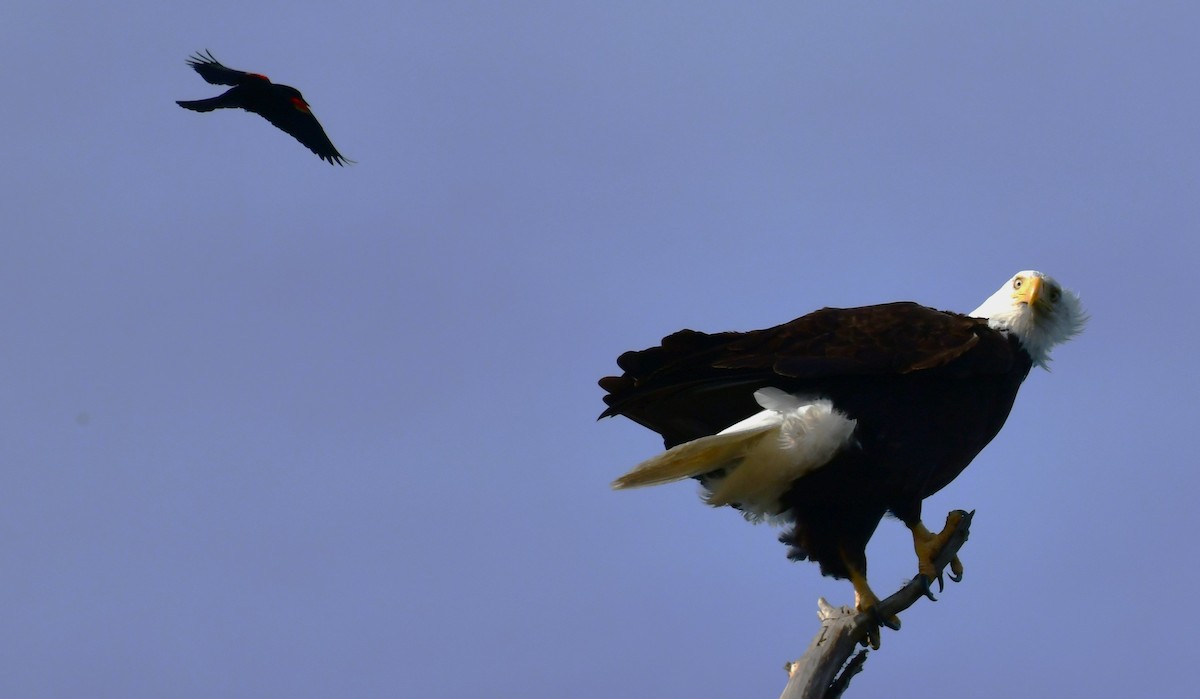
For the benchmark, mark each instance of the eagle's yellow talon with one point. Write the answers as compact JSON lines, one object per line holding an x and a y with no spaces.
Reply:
{"x":956,"y":569}
{"x":928,"y":545}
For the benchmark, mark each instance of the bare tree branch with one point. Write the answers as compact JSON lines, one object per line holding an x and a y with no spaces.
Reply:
{"x":825,"y":669}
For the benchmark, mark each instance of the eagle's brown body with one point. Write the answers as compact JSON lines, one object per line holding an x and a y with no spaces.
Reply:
{"x":928,"y":389}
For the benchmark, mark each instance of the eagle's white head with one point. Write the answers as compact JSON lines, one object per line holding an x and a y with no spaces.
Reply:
{"x":1037,"y":310}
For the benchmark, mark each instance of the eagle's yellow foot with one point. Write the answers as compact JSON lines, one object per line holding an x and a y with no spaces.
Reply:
{"x":928,"y":545}
{"x":866,"y":602}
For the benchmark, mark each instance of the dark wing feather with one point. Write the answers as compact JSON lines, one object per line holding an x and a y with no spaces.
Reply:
{"x":212,"y":71}
{"x":695,"y":384}
{"x":304,"y":127}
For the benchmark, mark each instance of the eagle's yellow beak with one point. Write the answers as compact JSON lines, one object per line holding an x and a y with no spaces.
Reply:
{"x":1030,"y":292}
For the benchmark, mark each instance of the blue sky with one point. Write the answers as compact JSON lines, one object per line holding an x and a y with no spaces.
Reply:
{"x":276,"y":428}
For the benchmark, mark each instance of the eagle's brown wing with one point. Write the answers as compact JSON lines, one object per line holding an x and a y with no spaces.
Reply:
{"x":696,"y":384}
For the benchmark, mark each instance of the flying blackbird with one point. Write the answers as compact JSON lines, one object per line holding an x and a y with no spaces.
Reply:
{"x":282,"y":105}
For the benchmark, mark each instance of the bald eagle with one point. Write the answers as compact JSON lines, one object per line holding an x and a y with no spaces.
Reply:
{"x":829,"y":422}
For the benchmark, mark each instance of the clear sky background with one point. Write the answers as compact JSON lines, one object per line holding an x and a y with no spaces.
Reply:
{"x":272,"y":428}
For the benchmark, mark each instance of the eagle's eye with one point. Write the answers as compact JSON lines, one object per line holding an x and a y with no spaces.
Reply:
{"x":1017,"y":282}
{"x":1055,"y":294}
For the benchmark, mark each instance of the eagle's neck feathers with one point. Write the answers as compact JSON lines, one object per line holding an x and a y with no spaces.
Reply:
{"x":1050,"y":317}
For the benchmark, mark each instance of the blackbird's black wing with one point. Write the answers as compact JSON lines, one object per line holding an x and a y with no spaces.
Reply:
{"x":212,"y":71}
{"x":293,"y":117}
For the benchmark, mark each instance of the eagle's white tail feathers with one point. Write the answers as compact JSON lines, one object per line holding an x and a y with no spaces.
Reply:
{"x":807,"y":438}
{"x":778,"y":400}
{"x":761,"y":455}
{"x":693,"y":458}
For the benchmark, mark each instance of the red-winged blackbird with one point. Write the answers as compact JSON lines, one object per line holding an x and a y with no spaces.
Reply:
{"x":282,"y":105}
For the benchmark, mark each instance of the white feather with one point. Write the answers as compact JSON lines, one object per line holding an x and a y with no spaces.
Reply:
{"x":807,"y":435}
{"x":1038,"y":331}
{"x":761,"y":456}
{"x":777,"y":400}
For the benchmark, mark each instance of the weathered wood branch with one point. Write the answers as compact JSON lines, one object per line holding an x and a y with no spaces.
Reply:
{"x":825,"y":669}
